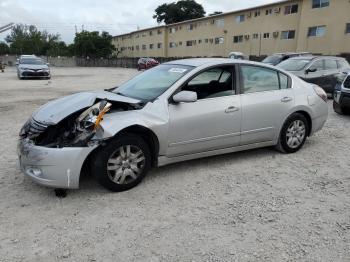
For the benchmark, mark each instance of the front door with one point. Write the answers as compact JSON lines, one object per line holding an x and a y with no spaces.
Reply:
{"x":213,"y":121}
{"x":266,"y":101}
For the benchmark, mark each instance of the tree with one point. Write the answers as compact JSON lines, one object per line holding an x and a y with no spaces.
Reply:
{"x":27,"y":39}
{"x":93,"y":44}
{"x":178,"y":11}
{"x":4,"y":48}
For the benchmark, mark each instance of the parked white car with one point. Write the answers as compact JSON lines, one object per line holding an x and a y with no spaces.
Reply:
{"x":177,"y":111}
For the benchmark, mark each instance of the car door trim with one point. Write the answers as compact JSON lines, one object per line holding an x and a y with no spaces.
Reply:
{"x":204,"y":139}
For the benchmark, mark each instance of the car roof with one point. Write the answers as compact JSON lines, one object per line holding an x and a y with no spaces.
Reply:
{"x":313,"y":57}
{"x":197,"y":62}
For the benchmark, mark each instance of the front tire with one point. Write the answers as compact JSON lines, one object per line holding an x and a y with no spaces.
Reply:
{"x":293,"y":134}
{"x":337,"y":108}
{"x":122,"y":163}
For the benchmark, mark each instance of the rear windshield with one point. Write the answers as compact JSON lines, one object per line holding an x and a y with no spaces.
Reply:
{"x":294,"y":64}
{"x":273,"y":59}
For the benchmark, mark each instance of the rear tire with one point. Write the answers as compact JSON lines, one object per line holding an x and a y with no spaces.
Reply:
{"x":122,"y":163}
{"x":293,"y":134}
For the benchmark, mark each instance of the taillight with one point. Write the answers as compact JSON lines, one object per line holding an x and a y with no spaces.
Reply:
{"x":320,"y":92}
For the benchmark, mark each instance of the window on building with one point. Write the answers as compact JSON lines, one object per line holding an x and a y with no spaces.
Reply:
{"x":143,"y":47}
{"x":257,"y":13}
{"x":159,"y":32}
{"x":238,"y":39}
{"x":137,"y":36}
{"x":240,"y":18}
{"x":143,"y":34}
{"x":268,"y":11}
{"x":290,"y":9}
{"x":320,"y":3}
{"x":151,"y":46}
{"x":159,"y":45}
{"x":317,"y":31}
{"x":172,"y":44}
{"x":211,"y":40}
{"x":255,"y":36}
{"x":180,"y":43}
{"x":189,"y":43}
{"x":288,"y":34}
{"x":206,"y":40}
{"x":220,"y":22}
{"x":259,"y":79}
{"x":150,"y":33}
{"x":347,"y":28}
{"x":266,"y":35}
{"x":172,"y":30}
{"x":137,"y":47}
{"x":219,"y":40}
{"x":199,"y":41}
{"x":190,"y":27}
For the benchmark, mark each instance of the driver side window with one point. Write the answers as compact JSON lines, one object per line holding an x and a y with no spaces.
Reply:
{"x":317,"y":65}
{"x":214,"y":82}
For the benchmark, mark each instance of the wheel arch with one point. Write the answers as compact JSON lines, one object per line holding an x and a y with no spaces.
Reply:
{"x":306,"y":115}
{"x":147,"y":135}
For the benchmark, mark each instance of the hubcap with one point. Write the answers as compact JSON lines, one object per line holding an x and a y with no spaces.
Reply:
{"x":295,"y":133}
{"x":126,"y":164}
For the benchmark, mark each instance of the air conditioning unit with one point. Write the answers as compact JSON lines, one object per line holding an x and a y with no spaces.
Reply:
{"x":275,"y":34}
{"x":277,"y":10}
{"x":246,"y":37}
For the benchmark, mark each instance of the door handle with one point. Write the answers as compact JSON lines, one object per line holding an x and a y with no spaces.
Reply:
{"x":231,"y":109}
{"x":286,"y":99}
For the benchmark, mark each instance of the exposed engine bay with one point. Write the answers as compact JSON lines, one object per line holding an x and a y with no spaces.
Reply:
{"x":76,"y":130}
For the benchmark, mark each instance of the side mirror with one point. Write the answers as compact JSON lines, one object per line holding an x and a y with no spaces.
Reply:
{"x":185,"y":97}
{"x":17,"y":64}
{"x":310,"y":70}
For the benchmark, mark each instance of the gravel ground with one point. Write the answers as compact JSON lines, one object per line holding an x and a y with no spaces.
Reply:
{"x":257,"y":205}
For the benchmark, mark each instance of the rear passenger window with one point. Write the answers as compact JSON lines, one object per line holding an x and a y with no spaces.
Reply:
{"x":342,"y":64}
{"x":283,"y":81}
{"x":259,"y":79}
{"x":330,"y":64}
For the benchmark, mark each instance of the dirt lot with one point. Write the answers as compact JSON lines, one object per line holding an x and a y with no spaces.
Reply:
{"x":257,"y":205}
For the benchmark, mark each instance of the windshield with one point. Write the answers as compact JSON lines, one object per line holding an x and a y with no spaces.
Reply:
{"x":273,"y":59}
{"x":32,"y":61}
{"x":294,"y":64}
{"x":153,"y":82}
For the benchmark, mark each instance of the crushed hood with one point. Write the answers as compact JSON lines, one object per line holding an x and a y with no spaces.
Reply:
{"x":56,"y":110}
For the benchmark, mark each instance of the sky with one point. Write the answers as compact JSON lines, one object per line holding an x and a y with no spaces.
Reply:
{"x":114,"y":16}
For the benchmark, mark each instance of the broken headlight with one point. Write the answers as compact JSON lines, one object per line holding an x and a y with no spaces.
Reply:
{"x":91,"y":118}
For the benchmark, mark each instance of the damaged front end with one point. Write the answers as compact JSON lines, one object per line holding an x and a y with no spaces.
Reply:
{"x":55,"y":142}
{"x":79,"y":129}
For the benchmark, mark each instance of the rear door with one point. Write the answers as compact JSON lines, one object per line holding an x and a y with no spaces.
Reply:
{"x":266,"y":101}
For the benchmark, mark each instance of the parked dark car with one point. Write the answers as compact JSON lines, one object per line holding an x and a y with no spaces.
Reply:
{"x":277,"y":58}
{"x":146,"y":63}
{"x":319,"y":70}
{"x":341,"y":102}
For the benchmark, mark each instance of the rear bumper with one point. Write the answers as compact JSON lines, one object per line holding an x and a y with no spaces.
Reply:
{"x":52,"y":167}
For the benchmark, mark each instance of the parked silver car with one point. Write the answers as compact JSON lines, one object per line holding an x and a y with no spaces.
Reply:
{"x":30,"y":66}
{"x":177,"y":111}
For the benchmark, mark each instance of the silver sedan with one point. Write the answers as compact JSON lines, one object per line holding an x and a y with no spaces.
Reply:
{"x":177,"y":111}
